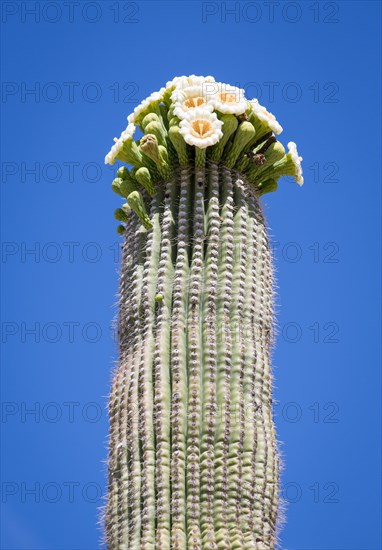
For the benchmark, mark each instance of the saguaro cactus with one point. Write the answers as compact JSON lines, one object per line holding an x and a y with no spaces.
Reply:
{"x":193,"y":460}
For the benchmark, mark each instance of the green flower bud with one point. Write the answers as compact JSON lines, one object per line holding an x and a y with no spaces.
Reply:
{"x":151,"y":117}
{"x":116,"y":186}
{"x":126,"y":208}
{"x":156,"y":128}
{"x":157,"y":153}
{"x":120,"y":215}
{"x":149,"y":146}
{"x":268,"y":186}
{"x":229,"y":127}
{"x":121,"y":229}
{"x":123,"y":172}
{"x":127,"y":186}
{"x":179,"y":144}
{"x":244,"y":135}
{"x":283,"y":167}
{"x":131,"y":153}
{"x":274,"y":152}
{"x":143,"y":176}
{"x":271,"y":154}
{"x":124,"y":187}
{"x":135,"y":201}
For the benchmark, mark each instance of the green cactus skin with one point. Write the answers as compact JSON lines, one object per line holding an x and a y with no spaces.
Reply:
{"x":193,"y":457}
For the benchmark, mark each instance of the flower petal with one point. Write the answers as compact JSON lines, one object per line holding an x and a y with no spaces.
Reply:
{"x":265,"y":116}
{"x":292,"y":149}
{"x":201,"y":128}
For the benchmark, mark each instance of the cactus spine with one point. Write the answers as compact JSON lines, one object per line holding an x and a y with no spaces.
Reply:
{"x":193,"y":460}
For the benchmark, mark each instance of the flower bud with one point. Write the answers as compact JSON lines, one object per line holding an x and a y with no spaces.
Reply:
{"x":143,"y":176}
{"x":135,"y":201}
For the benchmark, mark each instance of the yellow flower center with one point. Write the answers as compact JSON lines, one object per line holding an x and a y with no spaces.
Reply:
{"x":201,"y":128}
{"x":227,"y":97}
{"x":193,"y":102}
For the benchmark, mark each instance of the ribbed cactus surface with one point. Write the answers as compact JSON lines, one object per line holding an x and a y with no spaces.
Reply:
{"x":193,"y":460}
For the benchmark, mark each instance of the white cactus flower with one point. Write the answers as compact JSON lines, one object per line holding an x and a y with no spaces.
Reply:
{"x":296,"y":159}
{"x":189,"y":98}
{"x":201,"y":128}
{"x":227,"y":99}
{"x":194,"y":80}
{"x":155,"y":97}
{"x":181,"y":82}
{"x":119,"y":142}
{"x":177,"y":81}
{"x":262,"y":114}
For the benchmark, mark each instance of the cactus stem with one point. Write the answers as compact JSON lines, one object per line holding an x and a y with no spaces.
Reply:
{"x":162,"y":402}
{"x":194,"y":367}
{"x":118,"y":470}
{"x":133,"y":390}
{"x":210,"y":358}
{"x":247,"y":524}
{"x":179,"y":367}
{"x":265,"y":451}
{"x":224,"y":353}
{"x":236,"y":326}
{"x":146,"y":379}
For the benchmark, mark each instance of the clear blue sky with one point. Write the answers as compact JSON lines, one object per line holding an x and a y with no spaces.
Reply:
{"x":72,"y":72}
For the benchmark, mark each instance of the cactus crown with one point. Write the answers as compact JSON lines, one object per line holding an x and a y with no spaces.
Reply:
{"x":195,"y":120}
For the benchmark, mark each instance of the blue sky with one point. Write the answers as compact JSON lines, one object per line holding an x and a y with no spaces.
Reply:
{"x":72,"y":72}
